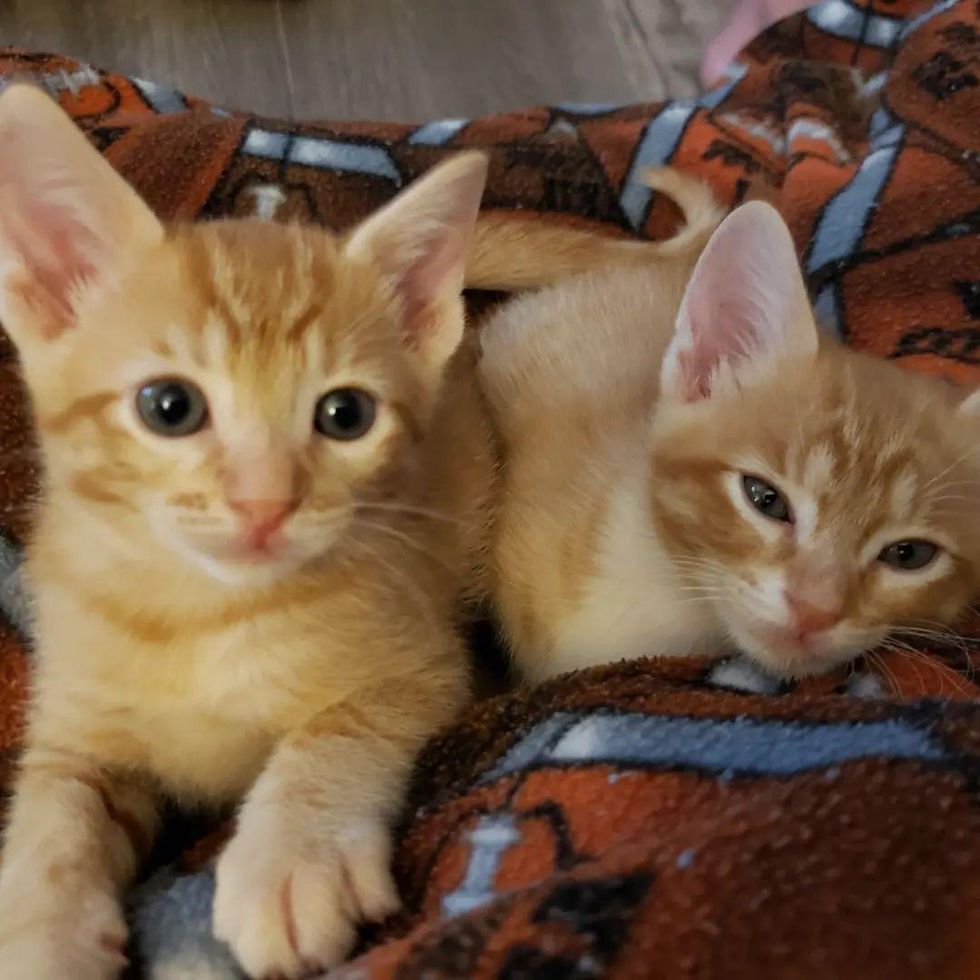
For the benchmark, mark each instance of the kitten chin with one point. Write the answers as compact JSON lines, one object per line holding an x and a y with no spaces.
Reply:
{"x":249,"y":572}
{"x":227,"y":558}
{"x":785,"y":656}
{"x":723,"y":476}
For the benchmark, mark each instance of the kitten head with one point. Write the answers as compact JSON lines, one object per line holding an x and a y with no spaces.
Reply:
{"x":817,"y":500}
{"x":236,"y":391}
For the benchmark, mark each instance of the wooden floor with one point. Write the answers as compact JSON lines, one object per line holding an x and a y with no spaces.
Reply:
{"x":383,"y":59}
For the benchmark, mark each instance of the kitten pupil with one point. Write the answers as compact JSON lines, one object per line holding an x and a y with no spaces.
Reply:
{"x":172,"y":407}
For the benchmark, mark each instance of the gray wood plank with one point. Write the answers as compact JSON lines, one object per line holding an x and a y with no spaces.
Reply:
{"x":382,"y":59}
{"x":675,"y":33}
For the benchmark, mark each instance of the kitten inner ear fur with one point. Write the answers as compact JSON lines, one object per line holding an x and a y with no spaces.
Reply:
{"x":419,"y":242}
{"x":68,"y":222}
{"x":745,"y":310}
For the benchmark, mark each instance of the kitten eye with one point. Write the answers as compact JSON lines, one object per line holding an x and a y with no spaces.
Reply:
{"x":172,"y":407}
{"x":345,"y":413}
{"x":909,"y":556}
{"x":766,"y":499}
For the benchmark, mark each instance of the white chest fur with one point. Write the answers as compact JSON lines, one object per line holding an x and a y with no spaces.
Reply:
{"x":636,"y":604}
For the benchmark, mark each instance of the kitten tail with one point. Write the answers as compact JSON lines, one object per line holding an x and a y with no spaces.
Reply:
{"x":510,"y":252}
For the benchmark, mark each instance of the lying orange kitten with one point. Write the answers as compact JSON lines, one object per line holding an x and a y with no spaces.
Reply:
{"x":244,"y":571}
{"x":689,"y":470}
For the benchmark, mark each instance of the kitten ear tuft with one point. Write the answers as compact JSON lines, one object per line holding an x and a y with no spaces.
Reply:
{"x":745,"y":309}
{"x":420,"y":242}
{"x":68,"y":221}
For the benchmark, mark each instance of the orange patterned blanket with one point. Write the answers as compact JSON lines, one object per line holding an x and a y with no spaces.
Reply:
{"x":648,"y":819}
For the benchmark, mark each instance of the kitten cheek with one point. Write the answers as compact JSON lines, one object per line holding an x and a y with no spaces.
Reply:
{"x":342,"y":466}
{"x":845,"y":642}
{"x":310,"y":539}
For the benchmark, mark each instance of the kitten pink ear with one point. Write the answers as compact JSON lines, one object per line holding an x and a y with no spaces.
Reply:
{"x":419,"y":241}
{"x":745,"y":309}
{"x":67,"y":219}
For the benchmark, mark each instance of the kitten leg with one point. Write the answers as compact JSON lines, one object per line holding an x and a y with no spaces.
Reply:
{"x":74,"y":838}
{"x":310,"y":858}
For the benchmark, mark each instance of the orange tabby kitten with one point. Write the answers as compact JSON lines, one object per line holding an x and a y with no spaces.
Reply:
{"x":268,"y":475}
{"x":244,"y":572}
{"x":722,"y":479}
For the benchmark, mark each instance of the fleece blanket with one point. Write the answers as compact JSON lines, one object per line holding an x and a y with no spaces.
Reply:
{"x":674,"y":819}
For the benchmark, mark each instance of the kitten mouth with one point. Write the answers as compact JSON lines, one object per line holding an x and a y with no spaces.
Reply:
{"x":786,"y":651}
{"x":249,"y":553}
{"x":246,"y":552}
{"x":802,"y":648}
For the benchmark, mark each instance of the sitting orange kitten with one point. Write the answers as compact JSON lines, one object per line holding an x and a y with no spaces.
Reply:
{"x":688,"y":469}
{"x":268,"y":478}
{"x":244,"y":570}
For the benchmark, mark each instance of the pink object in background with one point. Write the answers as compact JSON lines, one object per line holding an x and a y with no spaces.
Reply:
{"x":750,"y":19}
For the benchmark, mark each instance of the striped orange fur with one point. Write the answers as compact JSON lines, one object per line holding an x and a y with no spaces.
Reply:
{"x":181,"y":652}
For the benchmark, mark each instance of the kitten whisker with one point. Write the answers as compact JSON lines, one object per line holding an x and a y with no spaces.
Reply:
{"x":706,"y":563}
{"x":408,"y":540}
{"x":917,"y":657}
{"x":972,"y":497}
{"x":698,"y":565}
{"x":413,"y":589}
{"x":953,"y":498}
{"x":885,"y":670}
{"x":703,"y":581}
{"x":956,"y":462}
{"x":963,"y":482}
{"x":941,"y":634}
{"x":396,"y":508}
{"x":943,"y":638}
{"x":914,"y":661}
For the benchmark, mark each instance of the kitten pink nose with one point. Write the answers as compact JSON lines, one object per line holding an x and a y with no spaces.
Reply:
{"x":262,"y":518}
{"x":809,"y":619}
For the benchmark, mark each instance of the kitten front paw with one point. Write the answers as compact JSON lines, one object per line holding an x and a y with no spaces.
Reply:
{"x":54,"y":935}
{"x":289,"y":907}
